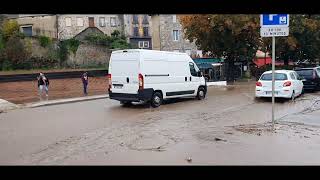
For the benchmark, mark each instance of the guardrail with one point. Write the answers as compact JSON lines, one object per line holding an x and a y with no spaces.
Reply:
{"x":51,"y":75}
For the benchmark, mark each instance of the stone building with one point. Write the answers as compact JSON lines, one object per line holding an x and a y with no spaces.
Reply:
{"x":70,"y":25}
{"x":168,"y":35}
{"x":138,"y":30}
{"x":37,"y":24}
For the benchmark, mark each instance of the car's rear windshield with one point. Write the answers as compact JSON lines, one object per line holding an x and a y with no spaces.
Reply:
{"x":277,"y":77}
{"x":305,"y":72}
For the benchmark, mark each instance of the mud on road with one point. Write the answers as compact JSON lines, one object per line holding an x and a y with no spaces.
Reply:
{"x":228,"y":127}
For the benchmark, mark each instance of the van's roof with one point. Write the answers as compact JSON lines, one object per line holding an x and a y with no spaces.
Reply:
{"x":278,"y":71}
{"x":146,"y":50}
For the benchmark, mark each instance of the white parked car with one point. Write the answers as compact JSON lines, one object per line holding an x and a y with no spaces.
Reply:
{"x":288,"y":84}
{"x":150,"y":76}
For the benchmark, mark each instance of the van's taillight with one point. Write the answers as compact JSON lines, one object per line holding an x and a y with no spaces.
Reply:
{"x":286,"y":84}
{"x":140,"y":81}
{"x":109,"y":81}
{"x":258,"y":84}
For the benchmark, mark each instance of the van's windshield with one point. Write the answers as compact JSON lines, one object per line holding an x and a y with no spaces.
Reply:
{"x":277,"y":77}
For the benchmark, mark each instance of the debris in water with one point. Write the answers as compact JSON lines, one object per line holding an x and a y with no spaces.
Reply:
{"x":306,"y":136}
{"x":228,"y":133}
{"x":122,"y":144}
{"x":218,"y":139}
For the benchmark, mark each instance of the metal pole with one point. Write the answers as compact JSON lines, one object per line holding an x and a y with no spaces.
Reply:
{"x":273,"y":80}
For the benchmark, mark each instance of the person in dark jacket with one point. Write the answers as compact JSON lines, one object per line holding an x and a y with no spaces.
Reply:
{"x":43,"y":84}
{"x":85,"y":81}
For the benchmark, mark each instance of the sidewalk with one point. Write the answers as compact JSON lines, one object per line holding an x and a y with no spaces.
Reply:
{"x":5,"y":106}
{"x":27,"y":91}
{"x":64,"y":101}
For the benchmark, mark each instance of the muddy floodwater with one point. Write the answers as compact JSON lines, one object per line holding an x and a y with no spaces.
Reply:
{"x":229,"y":127}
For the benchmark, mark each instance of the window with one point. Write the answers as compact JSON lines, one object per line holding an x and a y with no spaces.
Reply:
{"x":113,"y":21}
{"x":143,"y":44}
{"x":297,"y":75}
{"x":176,"y":50}
{"x":27,"y":30}
{"x":192,"y":69}
{"x":292,"y":76}
{"x":79,"y":21}
{"x":135,"y":31}
{"x":145,"y":20}
{"x":175,"y":35}
{"x":102,"y":22}
{"x":135,"y":19}
{"x":174,"y":18}
{"x":318,"y":71}
{"x":277,"y":76}
{"x":68,"y":21}
{"x":145,"y":31}
{"x":305,"y":72}
{"x":91,"y":21}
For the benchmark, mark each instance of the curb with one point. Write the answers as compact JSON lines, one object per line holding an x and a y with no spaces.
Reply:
{"x":65,"y":101}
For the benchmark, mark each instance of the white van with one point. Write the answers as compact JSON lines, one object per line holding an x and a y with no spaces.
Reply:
{"x":137,"y":75}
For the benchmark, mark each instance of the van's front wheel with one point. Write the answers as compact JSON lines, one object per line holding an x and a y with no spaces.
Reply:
{"x":201,"y":93}
{"x":156,"y":99}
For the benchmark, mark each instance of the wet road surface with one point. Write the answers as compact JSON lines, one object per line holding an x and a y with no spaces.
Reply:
{"x":228,"y":127}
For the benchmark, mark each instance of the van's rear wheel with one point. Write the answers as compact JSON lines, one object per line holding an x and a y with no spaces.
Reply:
{"x":201,"y":93}
{"x":156,"y":99}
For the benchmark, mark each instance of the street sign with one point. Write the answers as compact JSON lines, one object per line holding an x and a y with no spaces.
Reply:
{"x":274,"y":31}
{"x":274,"y":25}
{"x":274,"y":20}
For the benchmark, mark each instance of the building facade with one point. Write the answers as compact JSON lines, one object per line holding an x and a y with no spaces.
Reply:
{"x":37,"y":24}
{"x":137,"y":27}
{"x":70,"y":25}
{"x":158,"y":32}
{"x":168,"y":35}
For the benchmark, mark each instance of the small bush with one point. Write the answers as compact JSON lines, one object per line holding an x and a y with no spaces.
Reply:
{"x":15,"y":50}
{"x":6,"y":65}
{"x":10,"y":28}
{"x":72,"y":44}
{"x":44,"y":41}
{"x":98,"y":39}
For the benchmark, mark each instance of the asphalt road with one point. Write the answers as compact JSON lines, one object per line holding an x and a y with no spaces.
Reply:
{"x":228,"y":127}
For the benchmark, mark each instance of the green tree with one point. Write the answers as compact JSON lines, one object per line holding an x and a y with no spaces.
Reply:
{"x":303,"y":40}
{"x":233,"y":37}
{"x":10,"y":28}
{"x":15,"y":51}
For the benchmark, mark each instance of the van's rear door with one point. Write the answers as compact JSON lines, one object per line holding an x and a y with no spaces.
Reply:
{"x":124,"y":70}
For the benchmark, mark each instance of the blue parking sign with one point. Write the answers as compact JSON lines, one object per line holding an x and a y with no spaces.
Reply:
{"x":274,"y":20}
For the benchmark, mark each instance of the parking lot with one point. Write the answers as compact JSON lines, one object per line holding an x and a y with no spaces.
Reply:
{"x":228,"y":127}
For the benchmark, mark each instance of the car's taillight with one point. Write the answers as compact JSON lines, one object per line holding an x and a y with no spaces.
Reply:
{"x":258,"y":84}
{"x":140,"y":81}
{"x":109,"y":81}
{"x":286,"y":84}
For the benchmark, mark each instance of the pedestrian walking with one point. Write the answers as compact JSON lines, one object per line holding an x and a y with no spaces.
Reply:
{"x":85,"y":81}
{"x":43,"y":85}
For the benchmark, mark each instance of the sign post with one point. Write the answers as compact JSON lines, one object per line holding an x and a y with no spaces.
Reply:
{"x":274,"y":25}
